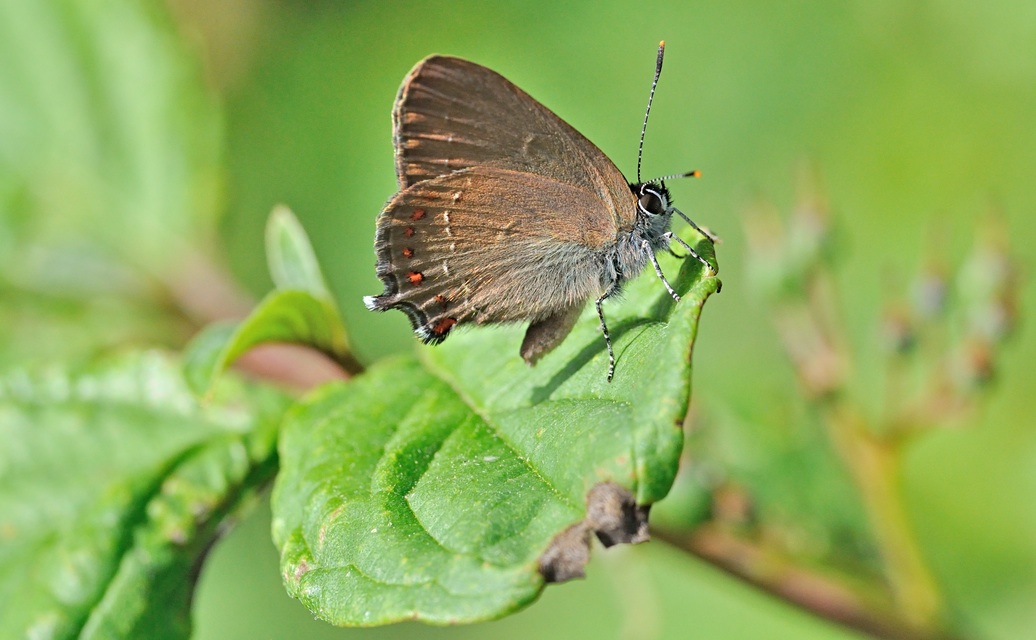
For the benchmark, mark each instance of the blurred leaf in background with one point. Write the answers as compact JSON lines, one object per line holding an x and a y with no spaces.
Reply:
{"x":109,"y":153}
{"x":116,"y":483}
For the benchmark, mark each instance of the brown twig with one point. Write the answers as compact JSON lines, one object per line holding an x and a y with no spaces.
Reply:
{"x":830,"y":597}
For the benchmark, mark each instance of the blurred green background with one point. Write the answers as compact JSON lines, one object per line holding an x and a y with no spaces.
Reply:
{"x":919,"y":116}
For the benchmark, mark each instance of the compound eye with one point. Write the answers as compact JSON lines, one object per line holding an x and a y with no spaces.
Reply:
{"x":651,"y":203}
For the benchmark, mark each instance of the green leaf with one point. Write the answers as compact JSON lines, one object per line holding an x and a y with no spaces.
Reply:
{"x":288,"y":316}
{"x":445,"y":490}
{"x":300,"y":311}
{"x":207,"y":355}
{"x":293,"y":265}
{"x":115,"y":482}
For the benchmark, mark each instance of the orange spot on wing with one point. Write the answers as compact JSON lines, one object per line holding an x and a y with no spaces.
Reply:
{"x":408,"y":232}
{"x":415,"y":277}
{"x":443,"y":326}
{"x":408,"y":252}
{"x":417,"y":214}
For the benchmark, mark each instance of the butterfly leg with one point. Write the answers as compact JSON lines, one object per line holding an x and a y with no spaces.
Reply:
{"x":604,"y":327}
{"x":669,"y":235}
{"x":658,"y":269}
{"x":711,"y":238}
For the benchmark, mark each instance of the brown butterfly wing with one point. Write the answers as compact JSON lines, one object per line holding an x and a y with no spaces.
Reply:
{"x":452,"y":114}
{"x":487,"y":244}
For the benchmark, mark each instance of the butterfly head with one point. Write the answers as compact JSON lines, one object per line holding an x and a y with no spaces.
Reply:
{"x":654,"y":209}
{"x":652,"y":199}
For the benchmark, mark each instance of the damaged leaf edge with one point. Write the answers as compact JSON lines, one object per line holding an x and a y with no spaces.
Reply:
{"x":612,"y":514}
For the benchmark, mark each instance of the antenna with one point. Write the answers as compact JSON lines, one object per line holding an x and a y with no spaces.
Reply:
{"x":647,"y":112}
{"x":674,"y":176}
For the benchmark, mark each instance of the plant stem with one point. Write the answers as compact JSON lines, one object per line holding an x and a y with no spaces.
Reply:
{"x":876,"y":467}
{"x":826,"y":594}
{"x":876,"y":464}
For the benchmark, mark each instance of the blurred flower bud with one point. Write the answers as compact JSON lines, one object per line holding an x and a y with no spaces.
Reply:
{"x":974,"y":367}
{"x":988,"y":284}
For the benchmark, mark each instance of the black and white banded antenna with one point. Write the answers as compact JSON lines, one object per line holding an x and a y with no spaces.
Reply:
{"x":647,"y":112}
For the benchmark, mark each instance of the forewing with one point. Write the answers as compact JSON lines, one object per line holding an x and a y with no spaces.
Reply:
{"x":490,"y":245}
{"x":453,"y":114}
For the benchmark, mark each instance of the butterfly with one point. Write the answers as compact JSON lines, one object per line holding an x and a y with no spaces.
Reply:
{"x":506,"y":214}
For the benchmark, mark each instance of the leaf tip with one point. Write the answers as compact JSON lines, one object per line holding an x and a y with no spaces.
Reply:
{"x":290,"y":257}
{"x":281,"y":217}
